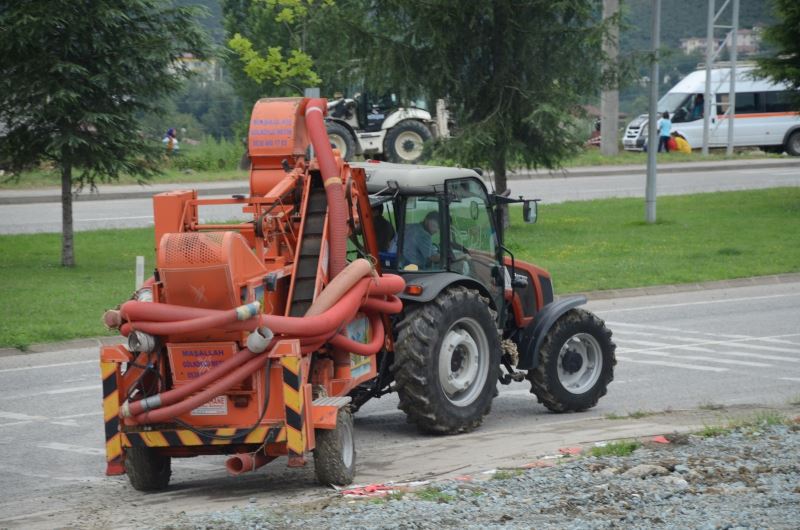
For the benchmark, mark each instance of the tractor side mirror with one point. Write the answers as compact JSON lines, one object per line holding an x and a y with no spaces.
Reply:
{"x":530,"y":211}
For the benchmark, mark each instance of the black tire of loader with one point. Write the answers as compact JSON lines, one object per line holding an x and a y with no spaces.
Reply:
{"x":390,"y":144}
{"x":415,"y":367}
{"x":339,"y":130}
{"x":146,"y":469}
{"x":329,"y":464}
{"x":544,"y":379}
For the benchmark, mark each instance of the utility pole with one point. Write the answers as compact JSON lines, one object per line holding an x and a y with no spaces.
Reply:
{"x":609,"y":99}
{"x":709,"y":61}
{"x":709,"y":116}
{"x":652,"y":128}
{"x":732,"y":87}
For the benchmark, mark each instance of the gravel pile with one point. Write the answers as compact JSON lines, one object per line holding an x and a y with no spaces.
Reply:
{"x":748,"y":478}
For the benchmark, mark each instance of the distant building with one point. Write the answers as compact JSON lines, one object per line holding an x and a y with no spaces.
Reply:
{"x":209,"y":70}
{"x":747,"y":42}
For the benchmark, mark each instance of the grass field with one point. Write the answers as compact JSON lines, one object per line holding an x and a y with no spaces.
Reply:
{"x":606,"y":244}
{"x":586,"y":246}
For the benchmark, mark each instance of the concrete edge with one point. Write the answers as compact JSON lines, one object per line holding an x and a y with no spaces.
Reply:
{"x":596,"y":171}
{"x":590,"y":295}
{"x":771,"y":279}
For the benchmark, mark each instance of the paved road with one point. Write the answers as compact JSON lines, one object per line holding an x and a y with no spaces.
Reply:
{"x":677,"y":351}
{"x":128,"y":213}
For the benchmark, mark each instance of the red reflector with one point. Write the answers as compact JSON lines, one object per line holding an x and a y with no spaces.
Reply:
{"x":414,"y":290}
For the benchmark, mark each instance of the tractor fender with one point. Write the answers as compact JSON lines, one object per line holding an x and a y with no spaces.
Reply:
{"x":434,"y":283}
{"x":530,"y":339}
{"x":405,"y":113}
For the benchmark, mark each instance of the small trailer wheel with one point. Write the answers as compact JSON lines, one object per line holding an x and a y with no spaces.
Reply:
{"x":335,"y":454}
{"x":147,"y":470}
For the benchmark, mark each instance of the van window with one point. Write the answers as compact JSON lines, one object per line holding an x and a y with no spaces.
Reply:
{"x":778,"y":101}
{"x":746,"y":102}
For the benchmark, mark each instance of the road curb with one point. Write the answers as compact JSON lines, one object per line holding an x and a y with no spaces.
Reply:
{"x":691,"y":287}
{"x":685,"y":167}
{"x":591,"y":295}
{"x":595,"y":171}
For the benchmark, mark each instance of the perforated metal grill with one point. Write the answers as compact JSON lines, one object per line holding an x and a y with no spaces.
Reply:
{"x":192,"y":248}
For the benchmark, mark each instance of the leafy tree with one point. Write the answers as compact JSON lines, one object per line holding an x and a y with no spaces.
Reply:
{"x":785,"y":37}
{"x":76,"y":75}
{"x":515,"y":72}
{"x":280,"y":47}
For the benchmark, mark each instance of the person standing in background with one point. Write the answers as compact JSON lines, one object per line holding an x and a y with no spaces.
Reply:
{"x":170,"y":141}
{"x":664,"y":128}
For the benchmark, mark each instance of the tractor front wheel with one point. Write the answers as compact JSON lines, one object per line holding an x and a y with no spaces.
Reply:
{"x":335,"y":452}
{"x":147,"y":470}
{"x":576,"y":363}
{"x":447,"y":362}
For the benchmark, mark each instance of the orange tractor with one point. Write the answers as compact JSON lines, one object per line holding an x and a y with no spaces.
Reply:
{"x":260,"y":339}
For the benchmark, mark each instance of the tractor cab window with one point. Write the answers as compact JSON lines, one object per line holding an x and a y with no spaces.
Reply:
{"x":473,"y":244}
{"x":421,"y":237}
{"x":471,"y":228}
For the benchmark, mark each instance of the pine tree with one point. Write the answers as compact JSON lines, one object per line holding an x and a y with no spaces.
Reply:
{"x":77,"y":74}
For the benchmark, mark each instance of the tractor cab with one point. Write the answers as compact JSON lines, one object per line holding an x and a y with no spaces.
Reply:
{"x":437,"y":226}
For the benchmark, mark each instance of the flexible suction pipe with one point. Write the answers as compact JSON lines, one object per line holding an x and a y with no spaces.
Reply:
{"x":298,"y":327}
{"x":246,"y":462}
{"x":219,"y":387}
{"x":334,"y":189}
{"x":176,"y":394}
{"x":218,"y":320}
{"x":337,"y":287}
{"x":359,"y":348}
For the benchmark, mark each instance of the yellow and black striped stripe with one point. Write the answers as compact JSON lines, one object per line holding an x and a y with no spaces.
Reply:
{"x":114,"y":462}
{"x":293,"y":401}
{"x":203,"y":437}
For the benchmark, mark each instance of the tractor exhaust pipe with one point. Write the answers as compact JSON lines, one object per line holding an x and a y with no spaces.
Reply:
{"x":246,"y":462}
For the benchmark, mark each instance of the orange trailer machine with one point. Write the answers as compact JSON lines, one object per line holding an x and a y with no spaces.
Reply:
{"x":249,"y":337}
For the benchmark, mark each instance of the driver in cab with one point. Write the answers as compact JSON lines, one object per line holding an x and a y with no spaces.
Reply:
{"x":418,"y":246}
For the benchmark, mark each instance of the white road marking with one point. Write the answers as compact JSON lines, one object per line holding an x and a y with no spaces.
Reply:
{"x":18,"y":416}
{"x":704,"y":302}
{"x":115,"y":218}
{"x":71,"y":390}
{"x":54,"y":392}
{"x":699,"y":358}
{"x":676,"y":330}
{"x":791,"y":379}
{"x":735,"y":342}
{"x":759,"y":356}
{"x":96,"y":413}
{"x":673,"y":365}
{"x":41,"y":366}
{"x":14,"y":423}
{"x":57,"y":446}
{"x":627,"y":332}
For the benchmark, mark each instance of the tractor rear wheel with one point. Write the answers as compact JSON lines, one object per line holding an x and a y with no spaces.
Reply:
{"x":335,"y":452}
{"x":147,"y":470}
{"x":447,"y":362}
{"x":576,"y":363}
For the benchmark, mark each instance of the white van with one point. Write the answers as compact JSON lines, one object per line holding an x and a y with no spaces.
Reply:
{"x":764,"y":117}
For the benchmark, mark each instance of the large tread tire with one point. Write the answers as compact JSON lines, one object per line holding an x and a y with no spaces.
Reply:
{"x":793,"y":144}
{"x":147,"y":470}
{"x":545,"y":380}
{"x":416,"y":363}
{"x":408,"y":131}
{"x":335,"y":452}
{"x":340,"y":137}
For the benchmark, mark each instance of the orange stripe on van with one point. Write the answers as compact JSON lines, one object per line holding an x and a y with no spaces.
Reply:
{"x":760,"y":115}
